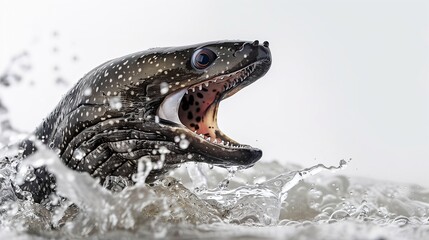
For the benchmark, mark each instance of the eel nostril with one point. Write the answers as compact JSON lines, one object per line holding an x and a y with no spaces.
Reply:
{"x":255,"y":43}
{"x":266,"y":44}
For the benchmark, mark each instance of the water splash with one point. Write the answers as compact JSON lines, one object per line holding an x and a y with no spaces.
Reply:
{"x":190,"y":203}
{"x":259,"y":203}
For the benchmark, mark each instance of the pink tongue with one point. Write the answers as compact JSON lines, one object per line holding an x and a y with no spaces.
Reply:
{"x":195,"y":112}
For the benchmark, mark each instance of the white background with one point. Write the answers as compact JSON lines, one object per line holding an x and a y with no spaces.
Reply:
{"x":350,"y":79}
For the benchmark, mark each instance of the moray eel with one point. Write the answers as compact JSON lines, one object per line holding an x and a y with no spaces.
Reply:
{"x":136,"y":105}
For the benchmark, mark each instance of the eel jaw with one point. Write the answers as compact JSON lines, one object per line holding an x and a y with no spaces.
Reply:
{"x":194,"y":110}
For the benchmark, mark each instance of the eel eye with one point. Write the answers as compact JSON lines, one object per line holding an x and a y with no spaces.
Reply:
{"x":202,"y":58}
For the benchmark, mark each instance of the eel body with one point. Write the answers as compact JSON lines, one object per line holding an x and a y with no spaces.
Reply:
{"x":146,"y":104}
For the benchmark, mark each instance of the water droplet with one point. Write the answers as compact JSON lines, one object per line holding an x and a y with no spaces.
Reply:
{"x":30,"y":175}
{"x":78,"y":154}
{"x":164,"y":87}
{"x":184,"y":144}
{"x":144,"y":167}
{"x":163,"y":150}
{"x":115,"y":103}
{"x":87,"y":91}
{"x":343,"y":164}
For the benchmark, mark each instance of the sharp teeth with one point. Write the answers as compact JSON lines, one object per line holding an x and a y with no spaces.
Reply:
{"x":215,"y":140}
{"x":193,"y":89}
{"x":207,"y":84}
{"x":215,"y":80}
{"x":208,"y":139}
{"x":201,"y":87}
{"x":187,"y":92}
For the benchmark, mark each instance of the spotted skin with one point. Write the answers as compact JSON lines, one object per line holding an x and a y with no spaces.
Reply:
{"x":195,"y":104}
{"x":109,"y":119}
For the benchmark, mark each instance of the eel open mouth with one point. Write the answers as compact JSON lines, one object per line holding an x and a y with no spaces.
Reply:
{"x":195,"y":108}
